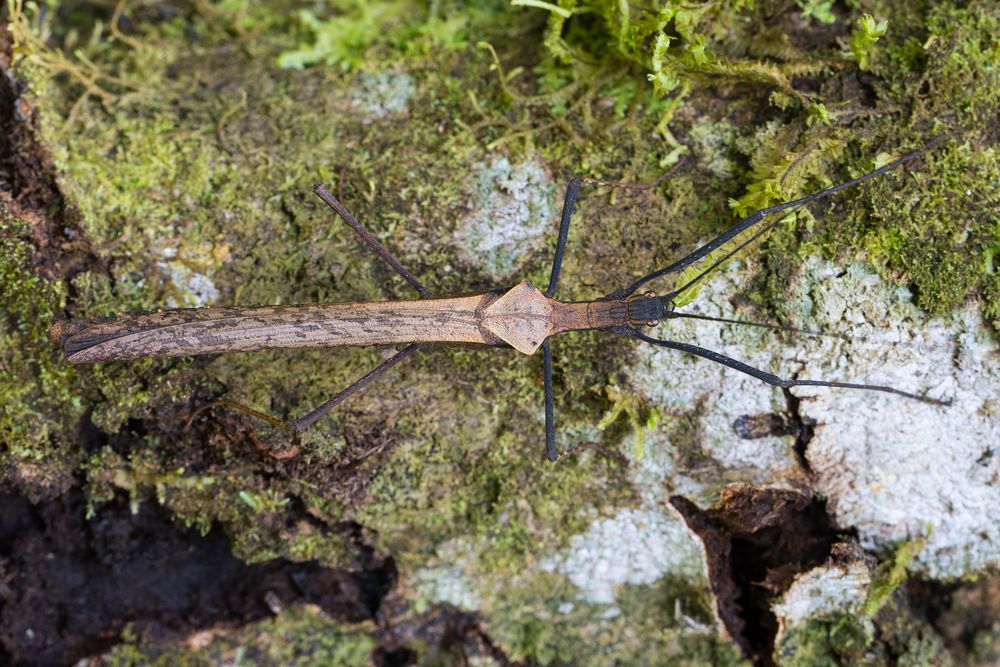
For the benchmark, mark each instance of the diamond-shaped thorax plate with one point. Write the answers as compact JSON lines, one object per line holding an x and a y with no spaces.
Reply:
{"x":522,"y":318}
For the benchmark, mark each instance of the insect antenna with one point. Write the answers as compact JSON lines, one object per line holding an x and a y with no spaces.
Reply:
{"x":742,"y":226}
{"x":765,"y":325}
{"x":669,"y":298}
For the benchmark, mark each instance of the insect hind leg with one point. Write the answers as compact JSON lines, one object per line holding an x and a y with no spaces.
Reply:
{"x":304,"y":422}
{"x":297,"y":426}
{"x":238,"y":407}
{"x":369,"y":238}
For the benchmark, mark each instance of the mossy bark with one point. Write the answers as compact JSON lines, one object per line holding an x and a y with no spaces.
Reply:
{"x":186,"y":138}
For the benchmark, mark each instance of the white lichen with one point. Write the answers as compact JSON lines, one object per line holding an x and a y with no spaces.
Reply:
{"x":636,"y":546}
{"x":680,"y":383}
{"x":512,"y":208}
{"x":381,"y":94}
{"x":653,"y":470}
{"x":447,"y":579}
{"x":192,"y":289}
{"x":892,"y":468}
{"x":711,"y":144}
{"x":896,"y":469}
{"x":824,"y":590}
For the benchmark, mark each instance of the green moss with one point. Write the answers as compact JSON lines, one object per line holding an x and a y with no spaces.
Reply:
{"x":918,"y":229}
{"x":342,"y":40}
{"x":907,"y":638}
{"x":667,"y":624}
{"x":499,"y":497}
{"x":38,"y":392}
{"x":301,"y":636}
{"x":254,"y":510}
{"x":189,"y":152}
{"x":891,"y":575}
{"x":821,"y":10}
{"x":898,"y":636}
{"x":827,"y":641}
{"x":864,"y":38}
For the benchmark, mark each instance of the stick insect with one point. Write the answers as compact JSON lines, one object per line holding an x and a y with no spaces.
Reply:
{"x":523,"y":317}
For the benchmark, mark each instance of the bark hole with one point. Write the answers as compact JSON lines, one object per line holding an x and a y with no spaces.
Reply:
{"x":757,"y":541}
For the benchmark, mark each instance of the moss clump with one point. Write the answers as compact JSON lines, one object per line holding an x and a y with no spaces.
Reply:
{"x":691,"y":44}
{"x":907,"y":638}
{"x":827,"y":641}
{"x":946,"y":62}
{"x":838,"y":639}
{"x":668,"y":623}
{"x":864,"y":38}
{"x":300,"y":636}
{"x":38,"y":392}
{"x":891,"y":575}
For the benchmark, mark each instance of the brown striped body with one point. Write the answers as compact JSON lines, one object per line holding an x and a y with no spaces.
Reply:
{"x":522,"y":317}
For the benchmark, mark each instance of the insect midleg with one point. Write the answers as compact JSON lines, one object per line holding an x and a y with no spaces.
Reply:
{"x":569,"y":205}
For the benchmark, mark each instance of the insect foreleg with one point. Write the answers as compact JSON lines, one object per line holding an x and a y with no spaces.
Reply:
{"x":569,"y":205}
{"x":756,"y":217}
{"x":770,"y":378}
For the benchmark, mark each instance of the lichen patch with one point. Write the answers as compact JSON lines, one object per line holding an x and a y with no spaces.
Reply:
{"x":721,"y":399}
{"x":382,"y":94}
{"x":892,"y":468}
{"x":512,"y":207}
{"x":897,"y":469}
{"x":635,"y":546}
{"x":823,"y":590}
{"x":447,"y":578}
